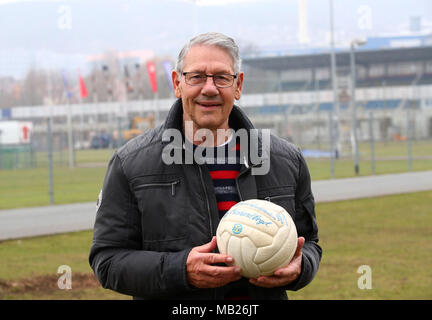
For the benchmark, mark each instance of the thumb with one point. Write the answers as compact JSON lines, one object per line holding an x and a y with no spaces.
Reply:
{"x":300,"y":243}
{"x":208,"y":247}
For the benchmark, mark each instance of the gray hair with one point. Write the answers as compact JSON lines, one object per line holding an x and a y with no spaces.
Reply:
{"x":211,"y":39}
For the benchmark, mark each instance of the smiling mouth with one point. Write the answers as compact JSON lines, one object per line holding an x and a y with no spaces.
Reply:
{"x":209,"y":104}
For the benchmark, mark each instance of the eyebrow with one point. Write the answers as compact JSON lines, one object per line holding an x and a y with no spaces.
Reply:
{"x":219,"y":72}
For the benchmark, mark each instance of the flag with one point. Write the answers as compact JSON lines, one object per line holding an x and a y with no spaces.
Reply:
{"x":151,"y":69}
{"x":83,"y":89}
{"x":168,"y":67}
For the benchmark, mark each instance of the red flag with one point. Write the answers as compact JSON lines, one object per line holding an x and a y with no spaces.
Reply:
{"x":83,"y":89}
{"x":151,"y":69}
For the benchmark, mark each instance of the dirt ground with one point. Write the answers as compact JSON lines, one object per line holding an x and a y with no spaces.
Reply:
{"x":46,"y":283}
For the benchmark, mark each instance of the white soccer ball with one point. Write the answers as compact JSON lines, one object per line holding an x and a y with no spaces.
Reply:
{"x":260,"y":236}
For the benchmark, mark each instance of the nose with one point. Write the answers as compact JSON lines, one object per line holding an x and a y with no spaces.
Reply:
{"x":209,"y":88}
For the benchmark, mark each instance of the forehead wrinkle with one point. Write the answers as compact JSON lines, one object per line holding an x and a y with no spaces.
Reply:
{"x":201,"y":66}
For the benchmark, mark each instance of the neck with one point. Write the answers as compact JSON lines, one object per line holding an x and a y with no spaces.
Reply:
{"x":206,"y":137}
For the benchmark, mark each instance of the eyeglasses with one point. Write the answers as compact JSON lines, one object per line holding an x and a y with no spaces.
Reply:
{"x":219,"y":80}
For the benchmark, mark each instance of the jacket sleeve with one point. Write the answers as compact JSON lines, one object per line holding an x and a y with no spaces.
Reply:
{"x":306,"y":227}
{"x":116,"y":256}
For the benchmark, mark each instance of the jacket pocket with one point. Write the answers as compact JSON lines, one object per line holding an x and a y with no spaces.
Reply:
{"x":279,"y":197}
{"x":282,"y":196}
{"x":171,"y":185}
{"x":162,"y":201}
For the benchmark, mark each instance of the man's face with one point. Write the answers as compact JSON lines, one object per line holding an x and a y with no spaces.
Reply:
{"x":207,"y":105}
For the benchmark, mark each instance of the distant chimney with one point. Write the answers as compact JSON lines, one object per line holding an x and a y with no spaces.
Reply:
{"x":415,"y":24}
{"x":303,"y":35}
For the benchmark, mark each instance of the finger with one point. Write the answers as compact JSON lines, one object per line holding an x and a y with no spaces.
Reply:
{"x":214,"y":276}
{"x":221,"y":272}
{"x":216,"y":281}
{"x":208,"y":247}
{"x":289,"y":271}
{"x":213,"y":258}
{"x":300,"y":243}
{"x":267,"y":281}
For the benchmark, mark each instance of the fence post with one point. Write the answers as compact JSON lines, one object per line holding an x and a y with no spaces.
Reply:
{"x":372,"y":142}
{"x":1,"y":149}
{"x":332,"y":147}
{"x":50,"y":161}
{"x":409,"y":139}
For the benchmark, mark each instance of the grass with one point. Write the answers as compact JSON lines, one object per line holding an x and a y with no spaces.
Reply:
{"x":390,"y":157}
{"x":29,"y":268}
{"x":30,"y":187}
{"x":390,"y":234}
{"x":396,"y":148}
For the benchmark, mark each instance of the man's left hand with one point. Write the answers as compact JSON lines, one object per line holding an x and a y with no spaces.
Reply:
{"x":285,"y":275}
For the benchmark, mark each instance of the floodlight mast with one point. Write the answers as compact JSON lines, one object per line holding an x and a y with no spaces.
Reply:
{"x":354,"y":43}
{"x":334,"y":131}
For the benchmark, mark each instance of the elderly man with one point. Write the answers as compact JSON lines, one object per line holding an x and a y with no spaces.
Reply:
{"x":156,"y":221}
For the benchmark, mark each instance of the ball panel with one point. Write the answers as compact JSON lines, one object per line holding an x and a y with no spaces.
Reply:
{"x":283,"y":256}
{"x":235,"y":251}
{"x":222,"y":241}
{"x":248,"y":249}
{"x":291,"y":245}
{"x":234,"y":247}
{"x":265,"y":253}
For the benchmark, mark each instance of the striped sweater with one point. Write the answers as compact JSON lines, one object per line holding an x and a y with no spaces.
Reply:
{"x":223,"y":172}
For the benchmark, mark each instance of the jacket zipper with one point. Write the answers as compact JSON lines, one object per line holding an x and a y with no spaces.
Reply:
{"x":237,"y":185}
{"x":279,"y":197}
{"x":215,"y":291}
{"x":207,"y":200}
{"x":240,"y":174}
{"x":161,"y":184}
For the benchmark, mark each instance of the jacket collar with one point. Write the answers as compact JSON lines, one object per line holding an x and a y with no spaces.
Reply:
{"x":237,"y":120}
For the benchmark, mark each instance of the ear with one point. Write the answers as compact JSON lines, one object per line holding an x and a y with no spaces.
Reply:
{"x":176,"y":83}
{"x":239,"y":86}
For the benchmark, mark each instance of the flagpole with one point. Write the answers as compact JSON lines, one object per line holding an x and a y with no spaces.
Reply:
{"x":69,"y":124}
{"x":70,"y":135}
{"x":151,"y":69}
{"x":83,"y":94}
{"x":156,"y":106}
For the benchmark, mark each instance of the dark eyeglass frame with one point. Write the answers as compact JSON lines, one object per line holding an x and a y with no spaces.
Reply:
{"x":234,"y":76}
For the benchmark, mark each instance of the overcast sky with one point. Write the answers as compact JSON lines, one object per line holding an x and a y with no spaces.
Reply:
{"x":43,"y":30}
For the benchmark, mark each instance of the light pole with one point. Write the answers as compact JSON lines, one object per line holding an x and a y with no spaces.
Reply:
{"x":354,"y":43}
{"x":334,"y":116}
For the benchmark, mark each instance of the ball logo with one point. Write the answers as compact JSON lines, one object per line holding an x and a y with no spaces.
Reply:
{"x":237,"y":228}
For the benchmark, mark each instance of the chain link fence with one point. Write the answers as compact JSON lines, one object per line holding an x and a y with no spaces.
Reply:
{"x":67,"y":160}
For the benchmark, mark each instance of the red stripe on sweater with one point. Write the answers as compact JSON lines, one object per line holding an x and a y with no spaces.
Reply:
{"x":225,"y":205}
{"x":224,"y":174}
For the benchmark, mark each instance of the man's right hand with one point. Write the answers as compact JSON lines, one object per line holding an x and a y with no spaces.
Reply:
{"x":201,"y":271}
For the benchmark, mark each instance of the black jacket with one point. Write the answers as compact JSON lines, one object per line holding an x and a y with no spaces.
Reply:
{"x":150,"y":215}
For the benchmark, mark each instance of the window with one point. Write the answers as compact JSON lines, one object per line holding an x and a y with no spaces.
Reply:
{"x":376,"y":70}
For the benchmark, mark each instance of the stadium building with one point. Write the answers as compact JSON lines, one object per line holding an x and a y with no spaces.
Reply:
{"x":294,"y":94}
